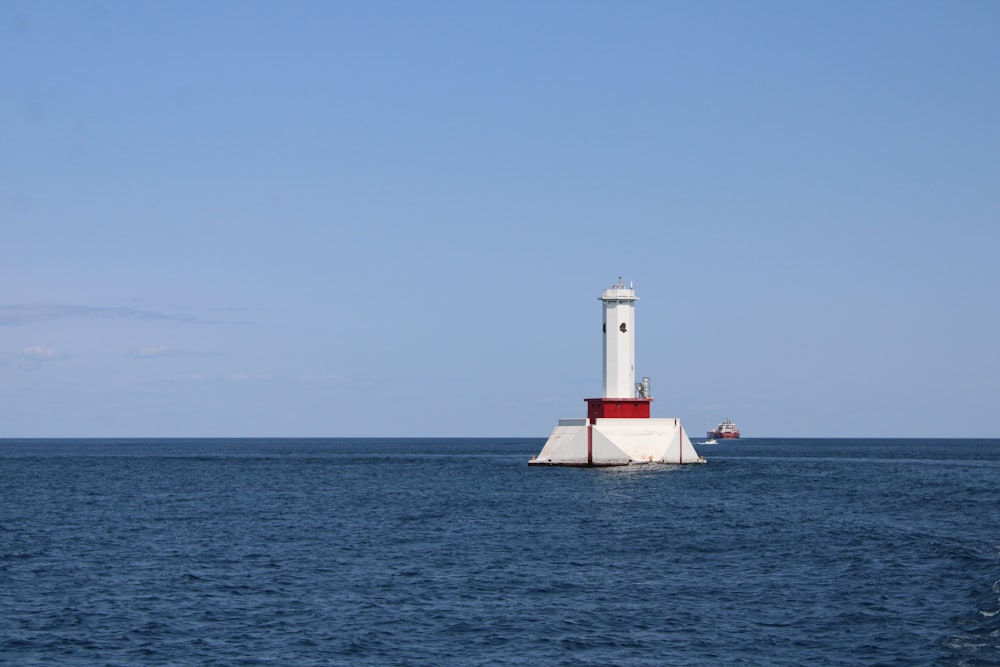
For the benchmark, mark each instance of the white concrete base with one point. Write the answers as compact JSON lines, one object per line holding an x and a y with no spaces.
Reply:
{"x":617,"y":442}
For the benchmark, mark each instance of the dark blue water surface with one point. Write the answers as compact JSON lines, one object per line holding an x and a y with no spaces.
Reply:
{"x":455,"y":552}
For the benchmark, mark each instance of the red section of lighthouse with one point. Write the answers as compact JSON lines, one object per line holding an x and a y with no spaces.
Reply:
{"x":617,"y":408}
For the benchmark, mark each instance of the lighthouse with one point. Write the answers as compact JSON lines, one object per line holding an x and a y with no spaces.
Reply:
{"x":618,"y":429}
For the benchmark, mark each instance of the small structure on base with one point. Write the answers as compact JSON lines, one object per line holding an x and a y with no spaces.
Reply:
{"x":618,"y":429}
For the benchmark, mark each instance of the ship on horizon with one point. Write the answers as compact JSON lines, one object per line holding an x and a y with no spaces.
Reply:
{"x":726,"y":429}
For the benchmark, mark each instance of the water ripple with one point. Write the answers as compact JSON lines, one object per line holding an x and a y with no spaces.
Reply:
{"x":455,"y":552}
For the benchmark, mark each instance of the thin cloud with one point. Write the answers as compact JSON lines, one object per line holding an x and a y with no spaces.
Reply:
{"x":154,"y":351}
{"x":186,"y":377}
{"x":39,"y":353}
{"x":34,"y":357}
{"x":212,"y":380}
{"x":321,"y":379}
{"x":25,"y":313}
{"x":157,"y":351}
{"x":249,"y":377}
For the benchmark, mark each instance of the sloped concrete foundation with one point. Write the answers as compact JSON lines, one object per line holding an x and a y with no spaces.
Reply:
{"x":617,"y":442}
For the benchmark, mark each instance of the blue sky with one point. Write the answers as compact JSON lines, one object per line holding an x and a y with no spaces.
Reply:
{"x":395,"y":218}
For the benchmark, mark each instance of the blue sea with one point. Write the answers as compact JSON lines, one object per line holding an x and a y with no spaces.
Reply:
{"x":456,"y":552}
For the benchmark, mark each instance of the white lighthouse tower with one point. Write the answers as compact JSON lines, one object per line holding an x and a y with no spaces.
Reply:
{"x":619,"y":343}
{"x":618,"y":429}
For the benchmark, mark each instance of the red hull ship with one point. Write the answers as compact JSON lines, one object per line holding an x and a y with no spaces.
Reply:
{"x":726,"y":429}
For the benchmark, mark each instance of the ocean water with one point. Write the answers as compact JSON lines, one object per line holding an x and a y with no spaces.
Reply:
{"x":455,"y":552}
